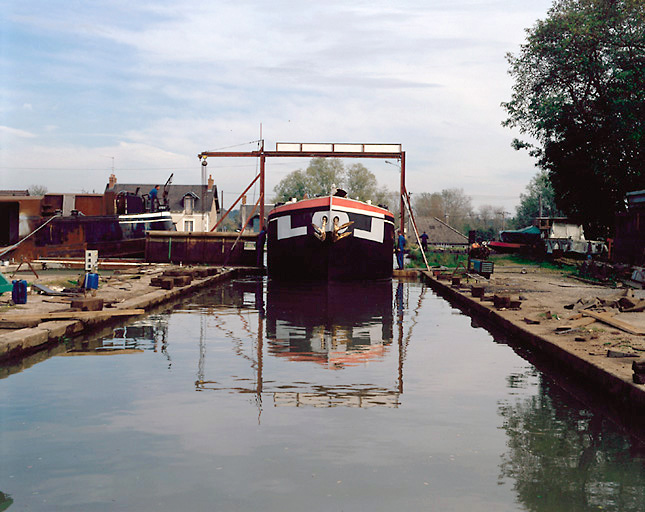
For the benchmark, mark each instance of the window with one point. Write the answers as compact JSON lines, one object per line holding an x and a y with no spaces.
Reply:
{"x":188,"y":205}
{"x":188,"y":225}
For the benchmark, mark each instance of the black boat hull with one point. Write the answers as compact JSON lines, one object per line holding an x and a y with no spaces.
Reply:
{"x":295,"y":252}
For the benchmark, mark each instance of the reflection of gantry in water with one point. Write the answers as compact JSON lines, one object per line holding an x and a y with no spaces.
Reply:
{"x":299,"y":338}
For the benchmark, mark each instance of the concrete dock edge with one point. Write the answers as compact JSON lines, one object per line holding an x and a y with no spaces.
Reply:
{"x":628,"y":396}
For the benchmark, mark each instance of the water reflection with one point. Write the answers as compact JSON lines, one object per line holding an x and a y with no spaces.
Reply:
{"x":561,"y":456}
{"x":478,"y":429}
{"x":5,"y":501}
{"x":149,"y":334}
{"x":337,"y":327}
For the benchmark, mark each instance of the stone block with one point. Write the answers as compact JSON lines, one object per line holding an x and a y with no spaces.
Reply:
{"x":182,"y":280}
{"x":167,"y":283}
{"x":87,"y":304}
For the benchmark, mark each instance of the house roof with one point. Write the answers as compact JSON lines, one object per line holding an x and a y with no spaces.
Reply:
{"x":176,"y":193}
{"x":439,"y":232}
{"x":14,"y":192}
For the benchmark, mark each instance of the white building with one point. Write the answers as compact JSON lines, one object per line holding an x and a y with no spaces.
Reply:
{"x":192,"y":207}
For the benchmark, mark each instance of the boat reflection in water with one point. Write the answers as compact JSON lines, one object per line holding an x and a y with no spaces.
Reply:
{"x":326,"y":332}
{"x":336,"y":325}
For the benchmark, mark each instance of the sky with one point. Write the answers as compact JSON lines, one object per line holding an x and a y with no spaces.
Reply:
{"x":143,"y":87}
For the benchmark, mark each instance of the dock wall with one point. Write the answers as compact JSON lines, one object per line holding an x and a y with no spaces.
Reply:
{"x":201,"y":248}
{"x":601,"y":379}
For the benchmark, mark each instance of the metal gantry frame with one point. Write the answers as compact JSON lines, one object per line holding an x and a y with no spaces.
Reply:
{"x":312,"y":150}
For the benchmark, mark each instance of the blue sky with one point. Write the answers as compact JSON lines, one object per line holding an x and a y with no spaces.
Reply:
{"x":148,"y":85}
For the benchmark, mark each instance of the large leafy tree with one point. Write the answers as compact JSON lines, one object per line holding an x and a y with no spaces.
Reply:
{"x":316,"y":180}
{"x":579,"y":96}
{"x":323,"y":174}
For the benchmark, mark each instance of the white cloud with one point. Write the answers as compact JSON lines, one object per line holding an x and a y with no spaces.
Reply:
{"x":15,"y":132}
{"x":159,"y":82}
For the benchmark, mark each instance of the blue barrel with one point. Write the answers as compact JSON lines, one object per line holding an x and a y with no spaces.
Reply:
{"x":91,"y":281}
{"x":19,"y":291}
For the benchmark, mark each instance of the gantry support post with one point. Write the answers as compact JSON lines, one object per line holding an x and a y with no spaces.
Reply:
{"x":403,"y":193}
{"x":262,"y":163}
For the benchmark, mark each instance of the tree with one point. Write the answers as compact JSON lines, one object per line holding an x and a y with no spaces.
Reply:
{"x":323,"y":174}
{"x":457,"y":207}
{"x":316,"y":180}
{"x":450,"y":205}
{"x":429,"y":205}
{"x":359,"y":182}
{"x":538,"y":201}
{"x":37,"y":190}
{"x":294,"y":184}
{"x":579,"y":93}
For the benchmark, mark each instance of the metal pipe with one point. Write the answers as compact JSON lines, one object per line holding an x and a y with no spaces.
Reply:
{"x":9,"y":249}
{"x":416,"y":231}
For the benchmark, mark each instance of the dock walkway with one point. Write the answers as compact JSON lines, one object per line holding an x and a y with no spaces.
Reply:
{"x":46,"y":320}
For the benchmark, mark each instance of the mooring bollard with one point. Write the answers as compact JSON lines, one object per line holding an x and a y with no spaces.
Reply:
{"x":477,"y":290}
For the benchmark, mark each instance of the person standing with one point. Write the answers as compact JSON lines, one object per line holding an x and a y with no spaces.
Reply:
{"x":400,"y":250}
{"x":424,"y":242}
{"x":153,"y":195}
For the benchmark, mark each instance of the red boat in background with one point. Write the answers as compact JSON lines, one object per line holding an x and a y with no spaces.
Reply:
{"x":504,"y":247}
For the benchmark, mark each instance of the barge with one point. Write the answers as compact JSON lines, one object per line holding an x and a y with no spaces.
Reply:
{"x":331,"y":238}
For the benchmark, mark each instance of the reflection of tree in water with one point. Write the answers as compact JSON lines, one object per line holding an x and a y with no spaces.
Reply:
{"x":563,"y":457}
{"x":5,"y":501}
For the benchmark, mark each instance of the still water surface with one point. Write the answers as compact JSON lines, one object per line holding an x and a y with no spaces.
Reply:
{"x":256,"y":397}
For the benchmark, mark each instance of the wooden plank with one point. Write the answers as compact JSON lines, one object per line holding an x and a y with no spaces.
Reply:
{"x":73,"y":315}
{"x":582,"y":322}
{"x":619,"y":324}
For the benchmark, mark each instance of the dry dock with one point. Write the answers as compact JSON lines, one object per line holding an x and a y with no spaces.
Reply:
{"x":578,"y":327}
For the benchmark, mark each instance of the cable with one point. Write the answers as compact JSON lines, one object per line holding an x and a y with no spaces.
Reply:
{"x":235,"y":145}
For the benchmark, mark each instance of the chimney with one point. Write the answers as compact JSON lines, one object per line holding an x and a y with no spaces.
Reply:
{"x":211,"y":182}
{"x":112,"y":181}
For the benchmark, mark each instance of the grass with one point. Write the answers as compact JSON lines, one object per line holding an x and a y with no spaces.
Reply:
{"x":452,"y":260}
{"x":528,"y":261}
{"x":445,"y":259}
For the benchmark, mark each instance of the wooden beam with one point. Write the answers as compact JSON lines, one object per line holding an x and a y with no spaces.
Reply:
{"x":619,"y":324}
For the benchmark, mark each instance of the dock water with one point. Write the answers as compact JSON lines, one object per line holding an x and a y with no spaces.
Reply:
{"x":244,"y":395}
